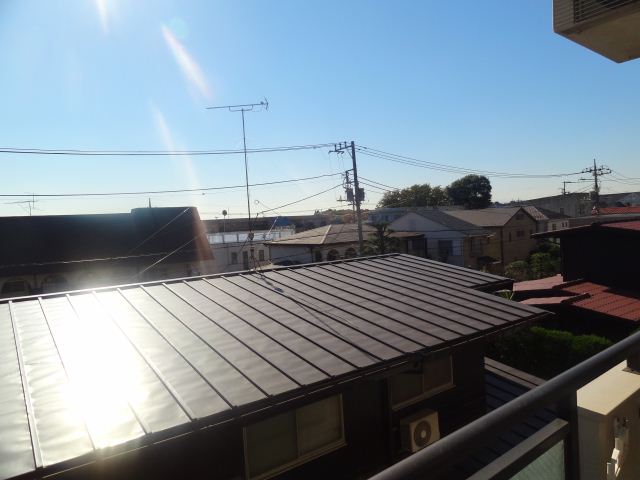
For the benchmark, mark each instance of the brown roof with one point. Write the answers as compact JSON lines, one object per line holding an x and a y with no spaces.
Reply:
{"x":487,"y":217}
{"x":162,"y":359}
{"x":327,"y":235}
{"x":618,"y":210}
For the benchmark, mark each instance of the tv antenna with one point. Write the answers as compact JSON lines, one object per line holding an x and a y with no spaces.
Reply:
{"x":246,"y":107}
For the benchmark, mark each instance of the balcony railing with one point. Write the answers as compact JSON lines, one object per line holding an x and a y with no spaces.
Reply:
{"x":554,"y":448}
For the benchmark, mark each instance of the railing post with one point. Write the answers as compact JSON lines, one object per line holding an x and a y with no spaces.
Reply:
{"x":568,"y":411}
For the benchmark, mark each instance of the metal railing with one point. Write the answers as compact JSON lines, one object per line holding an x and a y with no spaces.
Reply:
{"x":560,"y":392}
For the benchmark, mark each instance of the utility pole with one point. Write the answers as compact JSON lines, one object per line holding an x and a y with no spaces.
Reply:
{"x":597,"y":172}
{"x":247,"y":107}
{"x":358,"y":194}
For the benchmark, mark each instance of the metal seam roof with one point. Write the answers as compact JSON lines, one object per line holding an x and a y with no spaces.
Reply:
{"x":92,"y":372}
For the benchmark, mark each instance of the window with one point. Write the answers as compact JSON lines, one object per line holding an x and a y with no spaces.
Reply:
{"x":261,"y":255}
{"x":284,"y":441}
{"x":333,"y":255}
{"x":445,"y":249}
{"x":245,"y":259}
{"x":15,"y":286}
{"x":350,"y":253}
{"x":318,"y":256}
{"x":234,"y":257}
{"x":520,"y":233}
{"x":554,"y":227}
{"x":421,"y":380}
{"x":476,"y":247}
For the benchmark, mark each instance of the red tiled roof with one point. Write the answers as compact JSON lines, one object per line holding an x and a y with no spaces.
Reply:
{"x":635,"y":225}
{"x":618,"y":210}
{"x":542,"y":301}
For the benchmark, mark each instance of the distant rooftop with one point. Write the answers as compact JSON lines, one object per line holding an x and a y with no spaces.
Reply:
{"x":486,"y":217}
{"x":327,"y":235}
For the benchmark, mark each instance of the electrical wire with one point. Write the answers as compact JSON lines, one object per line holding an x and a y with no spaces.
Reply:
{"x":150,"y":192}
{"x":146,"y":153}
{"x":450,"y":168}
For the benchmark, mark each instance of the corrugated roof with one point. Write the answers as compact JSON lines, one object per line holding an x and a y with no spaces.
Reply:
{"x":327,"y":235}
{"x":607,"y":300}
{"x":124,"y":367}
{"x":486,"y":217}
{"x":635,"y":225}
{"x":618,"y":210}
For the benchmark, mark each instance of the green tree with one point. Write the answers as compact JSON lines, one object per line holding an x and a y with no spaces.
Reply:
{"x":472,"y":191}
{"x":423,"y":195}
{"x":380,"y":241}
{"x":543,"y":265}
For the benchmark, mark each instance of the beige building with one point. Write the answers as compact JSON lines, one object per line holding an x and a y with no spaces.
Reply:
{"x":511,"y":228}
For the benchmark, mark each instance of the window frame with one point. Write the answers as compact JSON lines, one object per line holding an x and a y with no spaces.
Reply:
{"x":301,"y":459}
{"x":425,"y":393}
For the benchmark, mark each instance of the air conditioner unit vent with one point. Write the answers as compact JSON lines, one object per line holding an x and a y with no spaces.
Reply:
{"x":419,"y":430}
{"x":609,"y":27}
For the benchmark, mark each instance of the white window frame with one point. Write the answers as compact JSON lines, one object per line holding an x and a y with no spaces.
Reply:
{"x":302,"y":459}
{"x":425,"y":393}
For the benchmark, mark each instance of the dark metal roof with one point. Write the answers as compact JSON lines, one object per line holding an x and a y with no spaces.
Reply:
{"x":122,"y":367}
{"x":29,"y":244}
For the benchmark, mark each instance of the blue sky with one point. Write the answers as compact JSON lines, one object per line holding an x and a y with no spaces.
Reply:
{"x":482,"y":85}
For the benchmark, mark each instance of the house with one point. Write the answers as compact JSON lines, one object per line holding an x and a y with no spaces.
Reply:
{"x":331,"y":242}
{"x":598,"y":285}
{"x":547,"y":220}
{"x":233,"y":251}
{"x":333,"y":370}
{"x":447,"y":238}
{"x":511,"y":229}
{"x":49,"y":253}
{"x":571,"y":204}
{"x":391,"y":214}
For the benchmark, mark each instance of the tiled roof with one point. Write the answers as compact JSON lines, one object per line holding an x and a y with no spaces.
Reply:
{"x":452,"y":222}
{"x":131,"y":366}
{"x":486,"y":217}
{"x":327,"y":235}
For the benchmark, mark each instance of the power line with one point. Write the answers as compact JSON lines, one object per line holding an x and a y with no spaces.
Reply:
{"x":450,"y":168}
{"x":186,"y":190}
{"x":148,"y":153}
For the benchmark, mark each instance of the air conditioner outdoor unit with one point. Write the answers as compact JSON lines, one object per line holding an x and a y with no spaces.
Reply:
{"x":419,"y":430}
{"x":608,"y":27}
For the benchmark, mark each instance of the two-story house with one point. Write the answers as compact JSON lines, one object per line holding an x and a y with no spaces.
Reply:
{"x":447,"y":238}
{"x":511,"y":229}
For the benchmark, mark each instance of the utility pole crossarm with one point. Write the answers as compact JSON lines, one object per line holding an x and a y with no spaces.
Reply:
{"x":357,"y":198}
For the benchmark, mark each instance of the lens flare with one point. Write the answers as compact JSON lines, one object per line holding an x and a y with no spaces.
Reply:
{"x":184,"y":161}
{"x":189,"y":67}
{"x":101,"y":5}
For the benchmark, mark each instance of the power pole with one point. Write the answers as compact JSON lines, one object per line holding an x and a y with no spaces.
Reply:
{"x":247,"y":107}
{"x":358,"y":194}
{"x":597,"y":172}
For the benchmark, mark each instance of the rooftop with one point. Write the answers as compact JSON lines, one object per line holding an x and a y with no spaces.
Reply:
{"x":327,"y":235}
{"x":452,"y":222}
{"x":619,"y":210}
{"x":94,"y":373}
{"x":486,"y":217}
{"x":47,"y":239}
